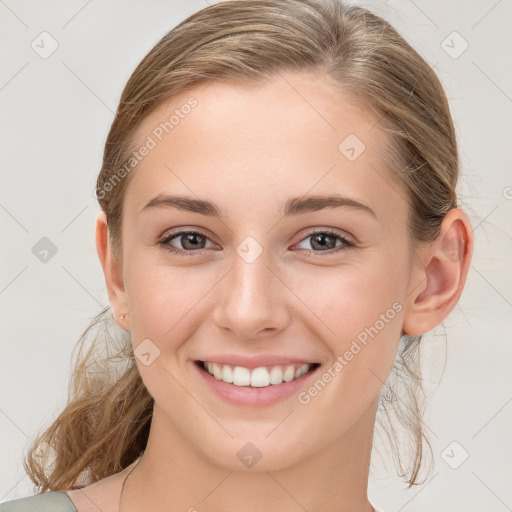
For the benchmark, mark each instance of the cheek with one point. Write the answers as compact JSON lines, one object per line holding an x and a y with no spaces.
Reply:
{"x":162,"y":297}
{"x":346,"y":301}
{"x":359,"y":316}
{"x":164,"y":303}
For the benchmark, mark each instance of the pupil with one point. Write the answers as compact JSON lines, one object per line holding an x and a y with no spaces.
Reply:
{"x":190,"y":239}
{"x":323,"y":240}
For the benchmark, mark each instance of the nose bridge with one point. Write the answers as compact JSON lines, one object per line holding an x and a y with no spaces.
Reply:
{"x":252,"y":299}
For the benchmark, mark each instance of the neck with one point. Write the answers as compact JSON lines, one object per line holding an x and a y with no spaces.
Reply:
{"x":174,"y":476}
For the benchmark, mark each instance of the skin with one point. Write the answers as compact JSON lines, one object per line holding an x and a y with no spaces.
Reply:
{"x":248,"y":150}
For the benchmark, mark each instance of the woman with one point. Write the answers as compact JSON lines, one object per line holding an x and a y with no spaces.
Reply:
{"x":279,"y":227}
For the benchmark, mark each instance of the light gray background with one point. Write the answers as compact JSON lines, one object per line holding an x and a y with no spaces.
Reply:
{"x":56,"y":113}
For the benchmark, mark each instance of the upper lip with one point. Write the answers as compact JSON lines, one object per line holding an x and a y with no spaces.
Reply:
{"x":255,"y":361}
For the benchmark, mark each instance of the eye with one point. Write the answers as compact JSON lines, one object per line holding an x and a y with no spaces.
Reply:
{"x":191,"y":242}
{"x":326,"y":240}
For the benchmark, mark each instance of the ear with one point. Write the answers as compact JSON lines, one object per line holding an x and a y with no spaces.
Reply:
{"x":439,"y":274}
{"x":112,"y":270}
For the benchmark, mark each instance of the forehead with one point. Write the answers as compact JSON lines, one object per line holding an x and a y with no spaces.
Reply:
{"x":295,"y":134}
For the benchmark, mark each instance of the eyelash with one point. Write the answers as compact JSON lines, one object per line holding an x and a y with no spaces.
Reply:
{"x":347,"y":244}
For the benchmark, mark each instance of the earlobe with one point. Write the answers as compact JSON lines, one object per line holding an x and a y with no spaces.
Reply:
{"x":440,"y":278}
{"x":112,"y":270}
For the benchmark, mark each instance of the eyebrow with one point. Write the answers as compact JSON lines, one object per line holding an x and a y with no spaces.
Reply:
{"x":293,"y":206}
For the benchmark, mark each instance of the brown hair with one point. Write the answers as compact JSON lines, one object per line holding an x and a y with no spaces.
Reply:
{"x":105,"y":425}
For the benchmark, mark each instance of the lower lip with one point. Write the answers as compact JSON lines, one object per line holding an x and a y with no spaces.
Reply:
{"x":249,"y":396}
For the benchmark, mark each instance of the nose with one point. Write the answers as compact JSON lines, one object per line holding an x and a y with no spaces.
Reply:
{"x":252,"y":300}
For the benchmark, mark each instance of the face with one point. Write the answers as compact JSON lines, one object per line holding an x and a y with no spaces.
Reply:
{"x":272,"y":275}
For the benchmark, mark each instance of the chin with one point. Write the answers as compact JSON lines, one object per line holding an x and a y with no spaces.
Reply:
{"x":255,"y":454}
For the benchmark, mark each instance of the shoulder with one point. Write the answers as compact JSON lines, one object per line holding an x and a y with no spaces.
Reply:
{"x":52,"y":501}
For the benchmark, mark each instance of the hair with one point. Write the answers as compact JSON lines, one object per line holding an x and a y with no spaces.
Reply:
{"x":105,"y":425}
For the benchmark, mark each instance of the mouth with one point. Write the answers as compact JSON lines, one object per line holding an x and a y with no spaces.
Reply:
{"x":260,"y":377}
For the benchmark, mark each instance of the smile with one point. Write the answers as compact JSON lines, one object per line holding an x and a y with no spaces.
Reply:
{"x":260,"y":377}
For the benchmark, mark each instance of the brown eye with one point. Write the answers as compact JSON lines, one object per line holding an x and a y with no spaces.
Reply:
{"x":323,"y":241}
{"x":190,"y":242}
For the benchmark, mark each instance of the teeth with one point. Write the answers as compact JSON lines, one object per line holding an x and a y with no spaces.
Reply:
{"x":258,"y":377}
{"x":289,"y":373}
{"x":227,"y":373}
{"x":302,"y":370}
{"x":241,"y":376}
{"x":276,"y":375}
{"x":217,"y":371}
